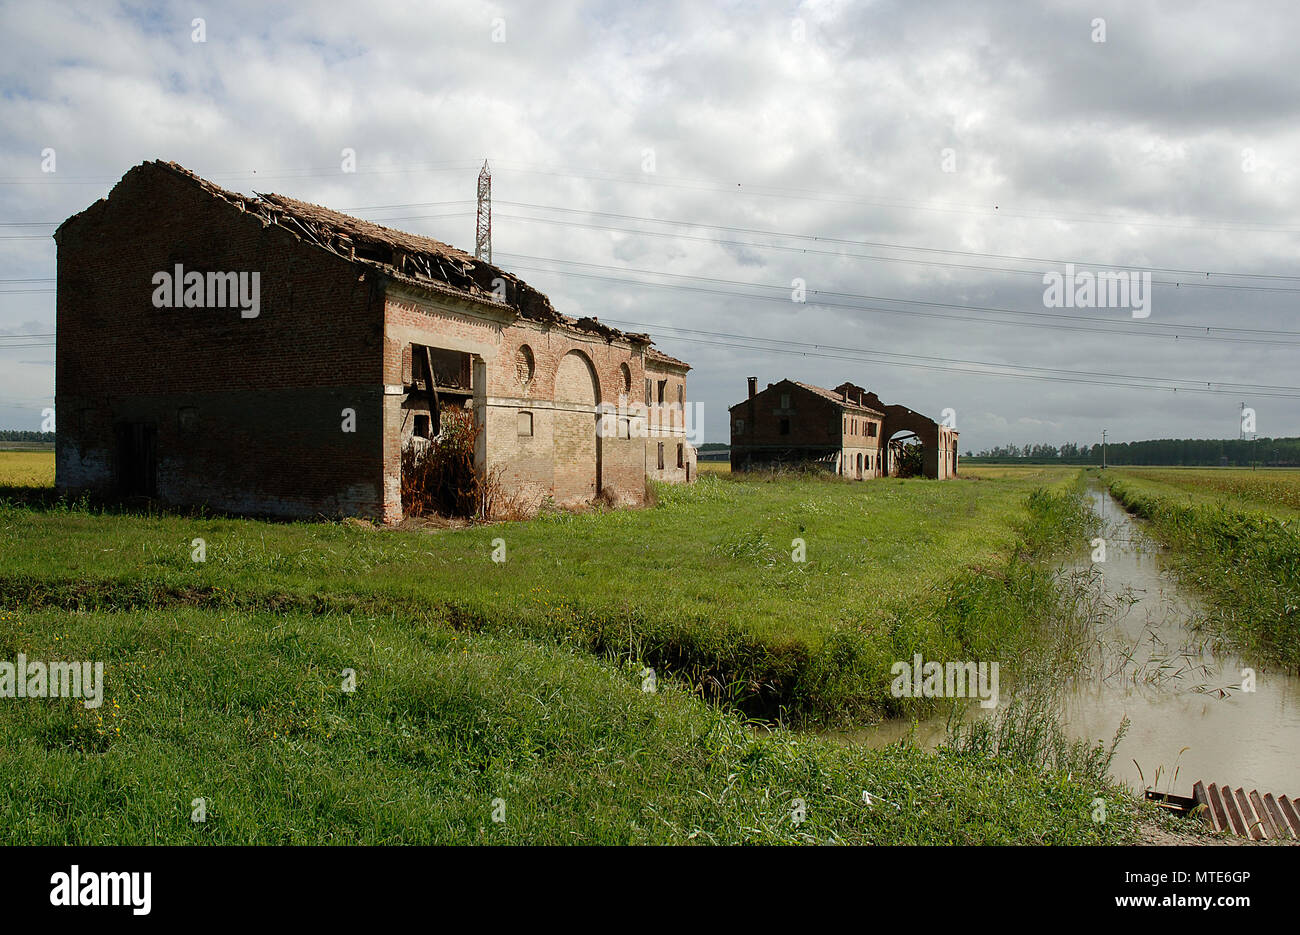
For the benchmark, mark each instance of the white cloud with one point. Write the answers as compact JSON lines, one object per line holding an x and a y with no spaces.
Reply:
{"x":1123,"y":154}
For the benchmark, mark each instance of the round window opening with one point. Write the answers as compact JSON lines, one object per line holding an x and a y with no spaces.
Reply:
{"x":524,"y":365}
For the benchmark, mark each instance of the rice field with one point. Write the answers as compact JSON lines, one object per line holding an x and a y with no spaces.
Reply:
{"x":1275,"y":491}
{"x":27,"y":468}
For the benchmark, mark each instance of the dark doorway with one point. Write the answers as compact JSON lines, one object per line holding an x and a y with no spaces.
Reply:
{"x":137,"y":459}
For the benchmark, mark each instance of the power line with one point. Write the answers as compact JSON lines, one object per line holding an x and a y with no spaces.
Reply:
{"x":1060,"y":325}
{"x":706,"y":185}
{"x":788,"y":349}
{"x":814,"y":195}
{"x":878,"y":298}
{"x":819,"y":238}
{"x":980,"y":363}
{"x":867,"y":256}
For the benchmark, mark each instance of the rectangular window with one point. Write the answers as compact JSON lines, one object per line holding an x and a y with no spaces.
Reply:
{"x":525,"y":425}
{"x":681,"y":457}
{"x":661,"y":456}
{"x":425,"y":367}
{"x":740,"y":426}
{"x":785,"y":401}
{"x":663,"y":389}
{"x":785,"y":426}
{"x":648,"y":400}
{"x":681,"y":394}
{"x":871,"y":430}
{"x":451,"y":369}
{"x":421,"y":427}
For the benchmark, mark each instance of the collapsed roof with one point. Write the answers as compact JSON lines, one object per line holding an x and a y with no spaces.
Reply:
{"x":659,"y":357}
{"x":419,"y":260}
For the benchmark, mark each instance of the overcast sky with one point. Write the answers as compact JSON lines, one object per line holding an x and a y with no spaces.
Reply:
{"x":945,"y":156}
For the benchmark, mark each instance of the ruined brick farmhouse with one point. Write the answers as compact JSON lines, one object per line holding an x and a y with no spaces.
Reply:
{"x":847,"y":430}
{"x":261,"y":355}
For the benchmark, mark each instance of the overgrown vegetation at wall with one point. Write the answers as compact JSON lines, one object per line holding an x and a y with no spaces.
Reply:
{"x":1245,"y":561}
{"x":908,"y":461}
{"x":439,"y":476}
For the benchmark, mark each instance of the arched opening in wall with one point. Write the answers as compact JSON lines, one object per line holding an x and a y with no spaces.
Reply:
{"x":954,"y":459}
{"x":577,"y":443}
{"x":524,"y":366}
{"x":904,"y":455}
{"x":859,"y":465}
{"x":626,"y":373}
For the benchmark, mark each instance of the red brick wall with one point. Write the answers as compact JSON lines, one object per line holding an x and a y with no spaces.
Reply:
{"x":814,"y":420}
{"x":559,"y":459}
{"x":266,"y":392}
{"x":816,"y":423}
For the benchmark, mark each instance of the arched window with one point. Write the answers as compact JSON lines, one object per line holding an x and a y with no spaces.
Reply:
{"x":525,"y":365}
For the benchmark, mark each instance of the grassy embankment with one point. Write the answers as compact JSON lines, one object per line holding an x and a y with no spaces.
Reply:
{"x":247,"y":711}
{"x":703,"y":587}
{"x":475,"y":681}
{"x":1235,"y":538}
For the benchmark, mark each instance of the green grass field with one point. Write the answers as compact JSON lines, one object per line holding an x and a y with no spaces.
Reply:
{"x":517,"y":688}
{"x":705,"y":585}
{"x":444,"y":730}
{"x":1234,"y":536}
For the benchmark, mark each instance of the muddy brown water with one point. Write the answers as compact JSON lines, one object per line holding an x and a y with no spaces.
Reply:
{"x":1175,"y":689}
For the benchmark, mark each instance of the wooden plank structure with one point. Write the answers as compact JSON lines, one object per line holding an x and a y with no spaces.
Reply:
{"x":1248,"y":814}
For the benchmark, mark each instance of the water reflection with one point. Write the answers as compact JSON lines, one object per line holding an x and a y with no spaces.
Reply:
{"x":1182,"y":698}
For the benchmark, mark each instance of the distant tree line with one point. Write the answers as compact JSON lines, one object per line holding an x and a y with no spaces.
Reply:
{"x":1184,"y":452}
{"x":22,"y":435}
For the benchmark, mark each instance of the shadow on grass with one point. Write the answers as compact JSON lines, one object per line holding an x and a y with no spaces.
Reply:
{"x":49,"y":500}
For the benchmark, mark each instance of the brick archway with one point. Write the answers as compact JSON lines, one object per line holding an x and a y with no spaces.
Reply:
{"x":576,"y":441}
{"x":900,"y":420}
